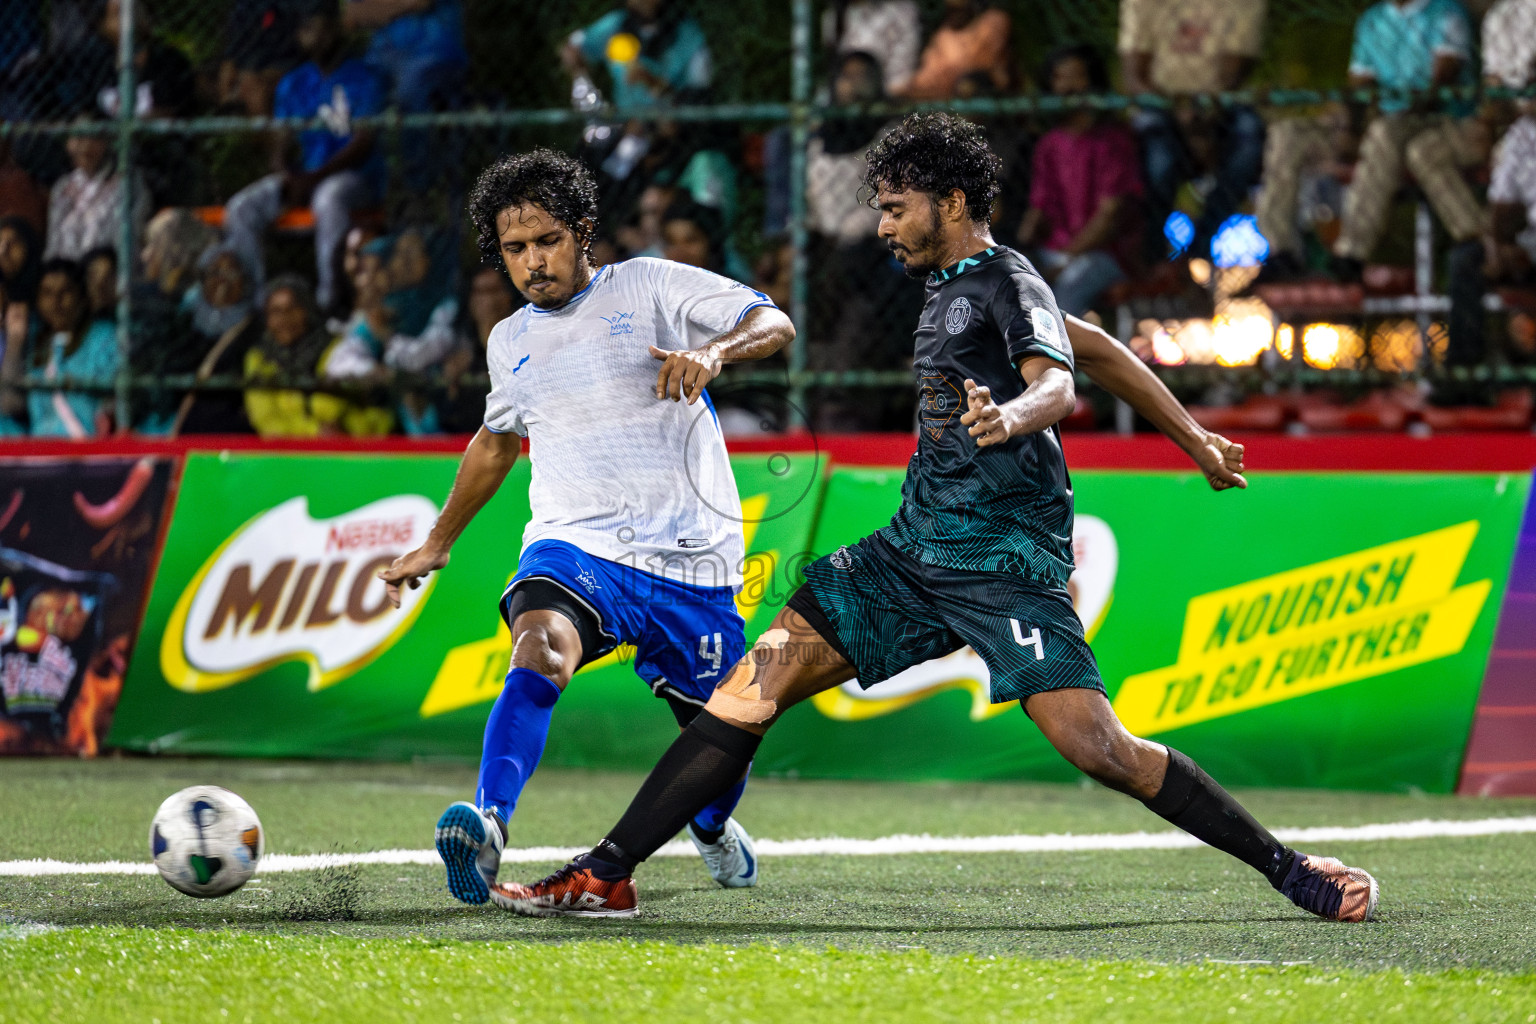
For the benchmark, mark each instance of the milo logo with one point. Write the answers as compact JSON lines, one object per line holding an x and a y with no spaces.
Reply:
{"x":288,"y":587}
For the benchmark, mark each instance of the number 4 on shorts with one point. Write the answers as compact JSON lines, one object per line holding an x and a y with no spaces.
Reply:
{"x":714,"y":657}
{"x":1032,"y":641}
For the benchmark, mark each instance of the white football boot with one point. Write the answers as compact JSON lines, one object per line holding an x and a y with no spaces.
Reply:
{"x":733,"y":860}
{"x":470,"y":843}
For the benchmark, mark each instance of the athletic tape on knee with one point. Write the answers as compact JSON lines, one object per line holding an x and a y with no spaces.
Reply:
{"x":740,"y":697}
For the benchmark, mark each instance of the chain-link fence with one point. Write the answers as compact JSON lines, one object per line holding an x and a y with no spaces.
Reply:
{"x":288,"y":252}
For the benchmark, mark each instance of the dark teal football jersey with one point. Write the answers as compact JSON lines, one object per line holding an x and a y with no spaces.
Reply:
{"x":1007,"y":507}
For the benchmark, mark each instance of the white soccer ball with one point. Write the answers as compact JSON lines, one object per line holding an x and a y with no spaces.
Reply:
{"x":205,"y":841}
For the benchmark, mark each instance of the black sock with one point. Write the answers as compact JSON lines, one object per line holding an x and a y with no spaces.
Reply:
{"x":709,"y":837}
{"x":1196,"y":803}
{"x":706,"y":760}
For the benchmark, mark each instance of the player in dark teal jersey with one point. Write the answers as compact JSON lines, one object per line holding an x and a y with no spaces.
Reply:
{"x":978,"y":554}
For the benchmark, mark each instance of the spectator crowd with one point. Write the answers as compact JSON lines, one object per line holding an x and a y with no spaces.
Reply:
{"x":380,"y":326}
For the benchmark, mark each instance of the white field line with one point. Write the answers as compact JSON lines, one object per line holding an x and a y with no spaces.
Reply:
{"x":1310,"y":838}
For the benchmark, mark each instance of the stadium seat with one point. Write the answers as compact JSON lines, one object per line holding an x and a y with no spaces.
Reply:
{"x":1300,"y":300}
{"x":1377,"y":411}
{"x":299,"y":220}
{"x":1512,"y":411}
{"x":1257,"y":412}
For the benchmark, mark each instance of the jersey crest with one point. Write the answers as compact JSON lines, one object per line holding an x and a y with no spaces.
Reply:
{"x":959,"y":315}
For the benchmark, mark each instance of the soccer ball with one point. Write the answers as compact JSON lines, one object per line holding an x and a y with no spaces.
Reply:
{"x":205,"y":841}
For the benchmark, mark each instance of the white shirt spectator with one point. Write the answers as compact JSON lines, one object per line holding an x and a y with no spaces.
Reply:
{"x":1509,"y":43}
{"x":888,"y":30}
{"x":1514,"y":176}
{"x":834,"y":205}
{"x":1187,"y":38}
{"x":83,"y":212}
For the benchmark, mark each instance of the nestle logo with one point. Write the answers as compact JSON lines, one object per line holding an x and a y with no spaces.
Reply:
{"x":370,"y":533}
{"x":620,"y":323}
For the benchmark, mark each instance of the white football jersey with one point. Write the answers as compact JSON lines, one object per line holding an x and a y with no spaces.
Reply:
{"x":618,"y":472}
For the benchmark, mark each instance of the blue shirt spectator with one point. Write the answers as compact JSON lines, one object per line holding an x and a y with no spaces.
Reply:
{"x":336,"y":97}
{"x":420,"y":52}
{"x":672,"y":55}
{"x":1396,"y":44}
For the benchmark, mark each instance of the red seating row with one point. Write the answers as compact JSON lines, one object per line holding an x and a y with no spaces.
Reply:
{"x":1386,"y":410}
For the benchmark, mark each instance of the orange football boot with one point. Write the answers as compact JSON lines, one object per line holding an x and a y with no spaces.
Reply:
{"x":570,"y":892}
{"x":1328,"y":888}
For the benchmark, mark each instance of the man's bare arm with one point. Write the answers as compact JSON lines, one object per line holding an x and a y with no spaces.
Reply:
{"x":683,"y":375}
{"x":1116,"y":369}
{"x":1136,"y":69}
{"x":487,"y":460}
{"x":1049,"y":394}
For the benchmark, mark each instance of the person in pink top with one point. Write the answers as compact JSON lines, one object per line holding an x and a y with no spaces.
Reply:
{"x":1085,"y":192}
{"x":972,"y":37}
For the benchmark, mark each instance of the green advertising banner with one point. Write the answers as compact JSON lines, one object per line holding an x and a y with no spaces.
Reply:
{"x":268,"y":634}
{"x":1314,"y":630}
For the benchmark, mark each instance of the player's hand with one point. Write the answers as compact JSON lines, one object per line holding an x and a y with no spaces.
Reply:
{"x":1221,"y":461}
{"x":409,"y":570}
{"x":987,"y":420}
{"x":684,"y":374}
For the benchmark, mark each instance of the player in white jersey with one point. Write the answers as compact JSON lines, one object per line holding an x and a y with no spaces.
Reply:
{"x":635,"y":535}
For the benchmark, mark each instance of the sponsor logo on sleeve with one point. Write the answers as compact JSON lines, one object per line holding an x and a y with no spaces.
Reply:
{"x":1044,"y":323}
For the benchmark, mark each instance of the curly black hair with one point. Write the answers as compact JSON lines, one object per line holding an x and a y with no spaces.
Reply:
{"x":558,"y":184}
{"x":936,"y":153}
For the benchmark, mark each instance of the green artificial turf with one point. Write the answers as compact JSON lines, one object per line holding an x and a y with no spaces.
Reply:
{"x":1456,"y":919}
{"x":175,"y":976}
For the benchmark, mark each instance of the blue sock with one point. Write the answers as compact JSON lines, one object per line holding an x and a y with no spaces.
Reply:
{"x":514,"y":739}
{"x":710,"y":822}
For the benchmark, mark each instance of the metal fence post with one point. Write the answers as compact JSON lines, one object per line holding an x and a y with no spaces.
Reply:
{"x":799,"y":136}
{"x":127,"y":101}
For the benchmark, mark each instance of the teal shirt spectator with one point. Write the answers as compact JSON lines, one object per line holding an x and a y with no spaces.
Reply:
{"x":677,"y":54}
{"x":95,"y":361}
{"x":1396,"y":44}
{"x":710,"y":179}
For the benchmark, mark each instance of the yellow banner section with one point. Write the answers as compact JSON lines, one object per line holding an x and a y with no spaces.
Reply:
{"x":1313,"y":628}
{"x":1332,"y":593}
{"x":474,"y":673}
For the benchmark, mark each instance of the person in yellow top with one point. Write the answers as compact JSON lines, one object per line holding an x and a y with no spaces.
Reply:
{"x":294,"y":345}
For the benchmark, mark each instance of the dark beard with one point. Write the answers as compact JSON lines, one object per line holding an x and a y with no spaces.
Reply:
{"x":929,"y":244}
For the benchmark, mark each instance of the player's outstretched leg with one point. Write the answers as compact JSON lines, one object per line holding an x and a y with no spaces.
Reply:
{"x":728,"y":852}
{"x":471,"y":836}
{"x":788,"y":664}
{"x":1081,"y":725}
